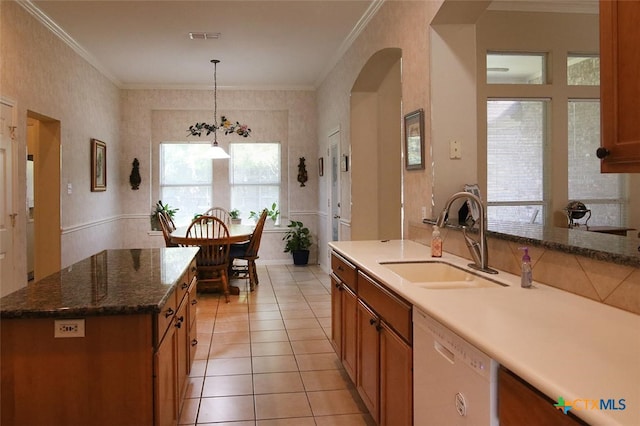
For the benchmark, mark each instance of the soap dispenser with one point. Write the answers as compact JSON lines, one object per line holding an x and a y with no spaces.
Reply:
{"x":526,"y":277}
{"x":436,"y":242}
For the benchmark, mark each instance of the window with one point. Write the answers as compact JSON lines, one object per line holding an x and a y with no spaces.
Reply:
{"x":516,"y":133}
{"x":583,"y":70}
{"x":186,"y":177}
{"x":516,"y":68}
{"x":603,"y":194}
{"x":254,"y":176}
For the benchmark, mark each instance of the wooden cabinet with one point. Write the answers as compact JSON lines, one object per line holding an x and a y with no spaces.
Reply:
{"x":175,"y":351}
{"x":520,"y":404}
{"x":368,"y":376}
{"x":344,"y":303}
{"x":385,"y":360}
{"x":372,"y":334}
{"x":619,"y":85}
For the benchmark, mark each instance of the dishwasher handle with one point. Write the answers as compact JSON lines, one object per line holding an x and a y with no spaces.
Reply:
{"x":444,"y":352}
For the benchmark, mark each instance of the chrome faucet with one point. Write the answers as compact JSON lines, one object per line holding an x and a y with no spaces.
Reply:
{"x":478,"y":249}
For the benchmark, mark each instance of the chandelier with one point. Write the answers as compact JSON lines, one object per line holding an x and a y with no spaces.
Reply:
{"x":225,"y":125}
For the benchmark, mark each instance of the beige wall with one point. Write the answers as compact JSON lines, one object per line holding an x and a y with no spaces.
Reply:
{"x":153,"y":116}
{"x":46,"y":77}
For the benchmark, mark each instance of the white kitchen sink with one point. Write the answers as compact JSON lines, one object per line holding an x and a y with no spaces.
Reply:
{"x":439,"y":275}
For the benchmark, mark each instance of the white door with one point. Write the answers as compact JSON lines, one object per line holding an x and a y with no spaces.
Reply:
{"x":7,"y":211}
{"x":334,"y":182}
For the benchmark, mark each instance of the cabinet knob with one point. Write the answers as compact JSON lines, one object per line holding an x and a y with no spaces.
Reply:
{"x":185,"y":286}
{"x":169,"y":313}
{"x":194,"y":342}
{"x":602,"y":153}
{"x":372,"y":321}
{"x":194,"y":302}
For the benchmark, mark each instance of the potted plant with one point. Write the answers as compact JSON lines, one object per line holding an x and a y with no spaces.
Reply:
{"x":272,"y":213}
{"x":235,"y":216}
{"x":166,"y":209}
{"x":298,"y":240}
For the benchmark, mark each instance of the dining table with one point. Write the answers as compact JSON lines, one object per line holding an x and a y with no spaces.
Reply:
{"x":238,"y":233}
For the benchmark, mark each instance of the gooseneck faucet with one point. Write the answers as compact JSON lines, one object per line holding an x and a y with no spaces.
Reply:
{"x":478,"y":249}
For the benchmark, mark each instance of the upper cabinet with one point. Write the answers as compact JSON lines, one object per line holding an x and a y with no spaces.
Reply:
{"x":620,"y":86}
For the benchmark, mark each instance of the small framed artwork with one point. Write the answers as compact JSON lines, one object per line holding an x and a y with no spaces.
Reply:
{"x":414,"y":140}
{"x":321,"y":166}
{"x":98,"y":165}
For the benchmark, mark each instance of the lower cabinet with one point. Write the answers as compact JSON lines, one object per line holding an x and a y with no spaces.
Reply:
{"x":371,"y":333}
{"x":520,"y":404}
{"x":174,"y":355}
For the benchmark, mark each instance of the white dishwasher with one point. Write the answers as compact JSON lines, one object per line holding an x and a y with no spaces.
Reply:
{"x":454,"y":383}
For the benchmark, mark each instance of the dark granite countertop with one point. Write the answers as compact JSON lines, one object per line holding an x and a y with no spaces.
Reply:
{"x":605,"y":247}
{"x":112,"y":282}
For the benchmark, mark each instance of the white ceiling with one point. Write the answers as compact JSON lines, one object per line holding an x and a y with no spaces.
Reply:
{"x":263,"y":44}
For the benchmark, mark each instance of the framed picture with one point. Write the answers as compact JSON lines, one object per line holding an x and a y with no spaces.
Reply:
{"x":414,"y":140}
{"x":473,"y":207}
{"x":98,"y":165}
{"x":321,"y":166}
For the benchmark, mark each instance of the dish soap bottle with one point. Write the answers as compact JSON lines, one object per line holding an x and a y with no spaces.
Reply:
{"x":436,"y":242}
{"x":526,"y":279}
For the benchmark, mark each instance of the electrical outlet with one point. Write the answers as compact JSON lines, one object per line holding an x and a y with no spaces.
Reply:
{"x":455,"y":150}
{"x":68,"y":328}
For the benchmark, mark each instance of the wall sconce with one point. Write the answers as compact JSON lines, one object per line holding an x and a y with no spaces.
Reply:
{"x":134,"y":177}
{"x":302,"y":172}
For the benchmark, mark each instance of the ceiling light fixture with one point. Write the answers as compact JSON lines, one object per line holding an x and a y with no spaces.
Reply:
{"x":226,"y":125}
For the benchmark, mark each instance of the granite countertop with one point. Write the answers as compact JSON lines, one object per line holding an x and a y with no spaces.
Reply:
{"x":562,"y":344}
{"x":599,"y":246}
{"x":112,"y":282}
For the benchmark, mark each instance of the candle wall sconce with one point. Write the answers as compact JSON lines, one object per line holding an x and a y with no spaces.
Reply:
{"x":302,"y":172}
{"x":134,"y":177}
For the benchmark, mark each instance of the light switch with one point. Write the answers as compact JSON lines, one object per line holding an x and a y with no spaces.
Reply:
{"x":69,"y":188}
{"x":455,"y":150}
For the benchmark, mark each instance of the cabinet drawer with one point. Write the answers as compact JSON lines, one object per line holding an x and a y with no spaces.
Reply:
{"x":183,"y":286}
{"x":165,"y":316}
{"x":393,"y":310}
{"x":191,"y":270}
{"x":344,"y":270}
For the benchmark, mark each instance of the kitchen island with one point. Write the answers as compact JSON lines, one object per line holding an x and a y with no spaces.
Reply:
{"x":108,"y":340}
{"x":561,"y":344}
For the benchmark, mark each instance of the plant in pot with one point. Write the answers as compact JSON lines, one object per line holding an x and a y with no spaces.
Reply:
{"x":159,"y":207}
{"x":298,"y":240}
{"x":235,"y":216}
{"x":272,"y":213}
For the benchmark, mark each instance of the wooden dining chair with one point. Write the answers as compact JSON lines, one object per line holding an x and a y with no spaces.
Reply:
{"x":250,"y":253}
{"x":212,"y":236}
{"x":220,"y":213}
{"x":167,"y":227}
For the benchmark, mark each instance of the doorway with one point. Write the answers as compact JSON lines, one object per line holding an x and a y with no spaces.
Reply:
{"x":43,"y":209}
{"x":7,"y":205}
{"x":376,"y":148}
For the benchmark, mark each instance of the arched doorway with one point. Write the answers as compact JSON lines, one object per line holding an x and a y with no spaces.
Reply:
{"x":376,"y":148}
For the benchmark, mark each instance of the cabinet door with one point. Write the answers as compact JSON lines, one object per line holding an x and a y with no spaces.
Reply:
{"x":182,"y":356}
{"x":192,"y":337}
{"x":336,"y":315}
{"x":619,"y":85}
{"x":166,"y":380}
{"x":396,"y":379}
{"x":519,"y":404}
{"x":349,"y":332}
{"x":368,"y":377}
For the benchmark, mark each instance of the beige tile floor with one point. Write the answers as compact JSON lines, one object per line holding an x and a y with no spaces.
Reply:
{"x":265,"y":359}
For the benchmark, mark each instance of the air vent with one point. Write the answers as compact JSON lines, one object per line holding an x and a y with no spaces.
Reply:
{"x":204,"y":36}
